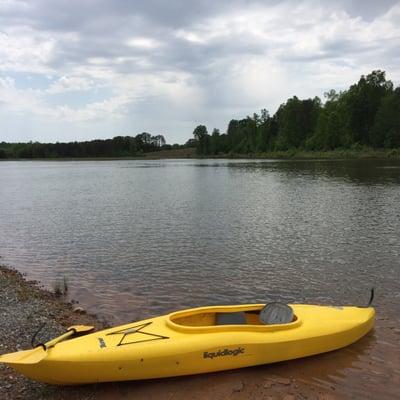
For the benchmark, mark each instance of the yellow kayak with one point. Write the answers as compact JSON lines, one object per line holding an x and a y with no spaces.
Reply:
{"x":191,"y":341}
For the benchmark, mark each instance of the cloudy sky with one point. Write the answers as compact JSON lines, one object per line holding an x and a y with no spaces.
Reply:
{"x":79,"y":70}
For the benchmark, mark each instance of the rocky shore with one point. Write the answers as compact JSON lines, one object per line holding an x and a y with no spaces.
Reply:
{"x":24,"y":308}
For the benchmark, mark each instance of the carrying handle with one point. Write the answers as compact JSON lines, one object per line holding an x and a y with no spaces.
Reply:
{"x":371,"y":297}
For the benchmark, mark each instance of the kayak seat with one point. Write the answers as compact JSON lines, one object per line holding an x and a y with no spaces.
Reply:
{"x":276,"y":313}
{"x":231,"y":318}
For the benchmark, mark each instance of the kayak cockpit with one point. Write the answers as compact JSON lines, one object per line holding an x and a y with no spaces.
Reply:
{"x":223,"y":318}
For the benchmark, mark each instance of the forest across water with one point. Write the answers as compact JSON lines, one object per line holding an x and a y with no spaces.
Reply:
{"x":366,"y":116}
{"x":365,"y":119}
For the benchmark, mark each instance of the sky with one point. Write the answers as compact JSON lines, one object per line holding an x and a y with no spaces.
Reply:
{"x":79,"y":70}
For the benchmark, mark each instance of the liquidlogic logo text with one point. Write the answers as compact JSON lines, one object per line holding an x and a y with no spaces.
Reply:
{"x":223,"y":353}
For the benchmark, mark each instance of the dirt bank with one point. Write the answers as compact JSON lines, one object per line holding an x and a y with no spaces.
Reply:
{"x":24,"y":307}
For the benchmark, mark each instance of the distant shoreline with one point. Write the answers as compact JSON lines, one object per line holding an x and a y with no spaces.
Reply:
{"x":189,"y":153}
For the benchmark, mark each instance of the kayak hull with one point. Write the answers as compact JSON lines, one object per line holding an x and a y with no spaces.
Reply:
{"x":185,"y":343}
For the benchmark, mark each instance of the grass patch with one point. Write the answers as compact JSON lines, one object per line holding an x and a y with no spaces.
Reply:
{"x":60,"y":287}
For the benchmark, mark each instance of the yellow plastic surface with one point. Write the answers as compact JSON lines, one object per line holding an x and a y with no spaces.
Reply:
{"x":188,"y":342}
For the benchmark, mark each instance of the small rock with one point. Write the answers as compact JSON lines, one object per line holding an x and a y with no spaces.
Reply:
{"x":79,"y":310}
{"x":276,"y":380}
{"x":325,"y":396}
{"x":268,"y":384}
{"x":289,"y":397}
{"x":282,"y":381}
{"x":238,"y":387}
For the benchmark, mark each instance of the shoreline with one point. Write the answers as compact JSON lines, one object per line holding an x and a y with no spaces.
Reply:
{"x":24,"y":305}
{"x":189,"y":154}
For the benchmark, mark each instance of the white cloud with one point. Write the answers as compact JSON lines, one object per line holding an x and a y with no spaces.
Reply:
{"x":24,"y":49}
{"x":6,"y":83}
{"x":143,"y":43}
{"x":13,"y":5}
{"x":17,"y":101}
{"x":111,"y":108}
{"x":191,"y":36}
{"x":71,"y":84}
{"x":270,"y":54}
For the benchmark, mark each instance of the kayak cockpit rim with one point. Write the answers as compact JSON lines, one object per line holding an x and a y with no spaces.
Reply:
{"x":202,"y":320}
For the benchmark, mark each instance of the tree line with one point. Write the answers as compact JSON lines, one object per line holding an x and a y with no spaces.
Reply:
{"x":119,"y":146}
{"x":367,"y":114}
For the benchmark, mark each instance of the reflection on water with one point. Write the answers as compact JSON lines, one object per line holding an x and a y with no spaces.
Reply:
{"x":139,"y":238}
{"x":362,"y":172}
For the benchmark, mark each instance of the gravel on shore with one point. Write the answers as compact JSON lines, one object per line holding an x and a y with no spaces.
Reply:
{"x":24,"y":308}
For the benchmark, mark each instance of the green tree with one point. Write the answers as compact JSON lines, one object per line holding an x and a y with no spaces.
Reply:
{"x":234,"y":134}
{"x":362,"y":102}
{"x":214,"y":141}
{"x":386,"y":129}
{"x":332,"y":129}
{"x":297,"y":121}
{"x":203,"y":139}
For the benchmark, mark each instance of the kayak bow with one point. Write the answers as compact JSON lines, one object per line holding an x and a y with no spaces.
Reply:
{"x":33,"y":356}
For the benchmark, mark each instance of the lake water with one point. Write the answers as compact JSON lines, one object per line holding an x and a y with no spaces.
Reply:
{"x":140,"y":238}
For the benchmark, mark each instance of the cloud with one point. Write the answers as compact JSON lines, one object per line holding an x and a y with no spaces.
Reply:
{"x":110,"y":108}
{"x":143,"y":43}
{"x":71,"y":84}
{"x":145,"y":65}
{"x":16,"y":101}
{"x":23,"y":49}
